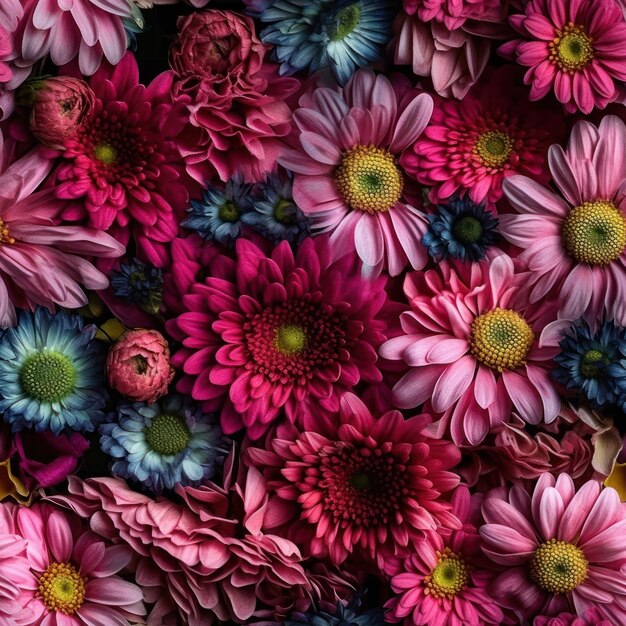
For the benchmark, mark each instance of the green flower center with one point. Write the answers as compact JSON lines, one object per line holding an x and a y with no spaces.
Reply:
{"x":229,"y":211}
{"x":468,"y":229}
{"x":572,"y":48}
{"x":168,"y":434}
{"x":595,"y":233}
{"x":449,"y":576}
{"x":282,"y":215}
{"x":501,"y":339}
{"x":360,"y":480}
{"x":62,"y":588}
{"x":347,"y":20}
{"x":105,"y":153}
{"x":493,"y":148}
{"x":48,"y":376}
{"x":290,"y":339}
{"x":590,"y":362}
{"x":558,"y":567}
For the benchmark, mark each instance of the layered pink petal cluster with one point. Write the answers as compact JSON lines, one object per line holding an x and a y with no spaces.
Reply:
{"x":11,"y":76}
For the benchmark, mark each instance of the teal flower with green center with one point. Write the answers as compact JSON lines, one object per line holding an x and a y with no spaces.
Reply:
{"x":164,"y":444}
{"x":51,"y":373}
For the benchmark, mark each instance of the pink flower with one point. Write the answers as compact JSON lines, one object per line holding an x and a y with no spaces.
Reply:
{"x":575,"y":243}
{"x":452,"y":13}
{"x":358,"y":484}
{"x":560,"y":550}
{"x":347,"y":176}
{"x":573,"y":47}
{"x":68,"y":576}
{"x":267,"y":333}
{"x":471,"y":341}
{"x":470,"y":147}
{"x":592,"y":617}
{"x":11,"y":76}
{"x":138,"y":365}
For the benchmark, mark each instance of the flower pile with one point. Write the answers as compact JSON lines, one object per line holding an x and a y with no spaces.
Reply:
{"x":312,"y":312}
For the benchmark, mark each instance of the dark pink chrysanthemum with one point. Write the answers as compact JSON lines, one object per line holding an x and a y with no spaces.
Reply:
{"x":360,"y":484}
{"x":574,"y":47}
{"x":264,"y":334}
{"x":452,"y":13}
{"x":471,"y":146}
{"x":123,"y":165}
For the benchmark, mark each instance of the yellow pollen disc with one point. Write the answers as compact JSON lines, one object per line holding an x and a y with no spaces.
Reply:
{"x":501,"y":339}
{"x":558,"y":567}
{"x":105,"y":153}
{"x":449,"y":576}
{"x":595,"y":233}
{"x":571,"y":49}
{"x":5,"y":237}
{"x":290,"y":339}
{"x":62,"y":588}
{"x":368,"y":179}
{"x":493,"y":148}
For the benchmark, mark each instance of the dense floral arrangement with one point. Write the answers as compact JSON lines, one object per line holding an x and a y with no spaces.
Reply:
{"x":312,"y":312}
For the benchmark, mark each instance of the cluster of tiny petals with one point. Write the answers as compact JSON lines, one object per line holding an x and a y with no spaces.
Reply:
{"x":571,"y":49}
{"x":369,"y":179}
{"x":493,"y":148}
{"x":5,"y":235}
{"x":449,"y":577}
{"x":48,"y":376}
{"x":62,"y":588}
{"x":167,"y":434}
{"x":501,"y":339}
{"x":558,"y":566}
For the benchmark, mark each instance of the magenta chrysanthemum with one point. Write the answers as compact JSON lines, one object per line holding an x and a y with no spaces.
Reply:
{"x":348,"y":180}
{"x":576,"y":244}
{"x":560,"y":550}
{"x":453,"y":13}
{"x":264,"y":334}
{"x":573,"y":47}
{"x":471,"y":341}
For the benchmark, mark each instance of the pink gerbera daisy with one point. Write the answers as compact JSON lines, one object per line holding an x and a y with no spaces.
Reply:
{"x":572,"y":46}
{"x":471,"y":340}
{"x":471,"y":146}
{"x":358,"y":483}
{"x":263,"y":334}
{"x":576,"y":243}
{"x":561,"y":550}
{"x":348,"y":180}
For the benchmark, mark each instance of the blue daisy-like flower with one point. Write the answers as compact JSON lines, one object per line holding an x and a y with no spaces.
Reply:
{"x":51,"y":373}
{"x":168,"y":443}
{"x":345,"y":615}
{"x":341,"y":35}
{"x":461,"y":230}
{"x":617,"y":371}
{"x":139,"y":283}
{"x":589,"y":362}
{"x":218,"y":216}
{"x":274,"y":213}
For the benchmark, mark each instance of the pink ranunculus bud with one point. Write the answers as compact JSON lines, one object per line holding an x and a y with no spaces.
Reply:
{"x":138,"y":365}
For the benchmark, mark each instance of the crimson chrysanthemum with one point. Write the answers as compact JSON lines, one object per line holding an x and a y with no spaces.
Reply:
{"x":358,"y":484}
{"x":284,"y":331}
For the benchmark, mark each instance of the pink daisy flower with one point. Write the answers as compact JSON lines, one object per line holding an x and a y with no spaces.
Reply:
{"x":69,"y":575}
{"x":471,"y":341}
{"x":348,"y":180}
{"x":471,"y":146}
{"x":575,"y":243}
{"x":284,"y":332}
{"x":444,"y":581}
{"x":453,"y":13}
{"x":124,"y":166}
{"x":358,"y":483}
{"x":561,"y":550}
{"x":573,"y":47}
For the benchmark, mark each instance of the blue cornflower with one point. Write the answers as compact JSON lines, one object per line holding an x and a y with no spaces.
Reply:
{"x":341,"y":35}
{"x":589,"y":362}
{"x":349,"y":615}
{"x":461,"y":229}
{"x":51,"y":373}
{"x":168,"y":443}
{"x":139,"y":283}
{"x":218,"y":216}
{"x":275,"y":214}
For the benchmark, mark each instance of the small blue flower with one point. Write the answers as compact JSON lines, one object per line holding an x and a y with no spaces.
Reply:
{"x":140,"y":284}
{"x":51,"y":373}
{"x":168,"y":443}
{"x":341,"y":35}
{"x":275,"y":214}
{"x":349,"y":615}
{"x":461,"y":230}
{"x":218,"y":216}
{"x":589,"y":362}
{"x":617,"y":370}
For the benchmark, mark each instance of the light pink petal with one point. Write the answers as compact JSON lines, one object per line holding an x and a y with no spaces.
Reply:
{"x":369,"y":240}
{"x":113,"y":591}
{"x":563,"y":175}
{"x":411,"y":123}
{"x":320,"y":148}
{"x":59,"y":537}
{"x":524,"y":397}
{"x":455,"y":379}
{"x":528,"y":196}
{"x":416,"y":386}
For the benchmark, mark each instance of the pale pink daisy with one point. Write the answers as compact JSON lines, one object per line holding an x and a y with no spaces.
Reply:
{"x":470,"y":340}
{"x":348,"y":181}
{"x":575,"y":243}
{"x":560,"y":549}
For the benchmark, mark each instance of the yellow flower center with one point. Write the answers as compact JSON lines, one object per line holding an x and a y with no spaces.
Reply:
{"x":105,"y":153}
{"x":5,"y":237}
{"x":290,"y":339}
{"x":595,"y":233}
{"x":558,"y":567}
{"x":449,"y":576}
{"x":368,"y":179}
{"x":493,"y":148}
{"x":571,"y":49}
{"x":501,"y":339}
{"x":48,"y":376}
{"x":62,"y":588}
